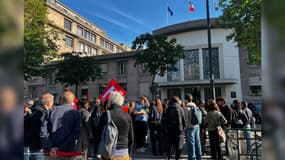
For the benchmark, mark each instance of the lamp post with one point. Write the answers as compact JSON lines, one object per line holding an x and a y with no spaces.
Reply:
{"x":212,"y":87}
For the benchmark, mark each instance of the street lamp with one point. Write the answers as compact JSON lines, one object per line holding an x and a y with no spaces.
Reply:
{"x":212,"y":87}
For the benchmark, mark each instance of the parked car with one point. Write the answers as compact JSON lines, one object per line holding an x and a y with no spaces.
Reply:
{"x":256,"y":109}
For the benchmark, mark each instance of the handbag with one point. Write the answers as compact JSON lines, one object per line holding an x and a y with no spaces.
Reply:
{"x":221,"y":134}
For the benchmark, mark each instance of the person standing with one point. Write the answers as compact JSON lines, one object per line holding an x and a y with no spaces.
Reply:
{"x":124,"y":126}
{"x":214,"y":119}
{"x":192,"y":132}
{"x":61,"y":129}
{"x":141,"y":123}
{"x":226,"y":111}
{"x":155,"y":128}
{"x":247,"y":125}
{"x":175,"y":122}
{"x":203,"y":125}
{"x":39,"y":114}
{"x":85,"y":128}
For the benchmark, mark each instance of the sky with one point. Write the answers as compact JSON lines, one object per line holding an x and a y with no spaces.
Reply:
{"x":124,"y":20}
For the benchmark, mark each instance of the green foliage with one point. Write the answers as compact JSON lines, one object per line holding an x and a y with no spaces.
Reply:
{"x":244,"y":17}
{"x":76,"y":70}
{"x":39,"y":38}
{"x":160,"y":55}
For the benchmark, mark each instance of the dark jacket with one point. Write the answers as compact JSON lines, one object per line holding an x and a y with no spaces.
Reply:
{"x":227,"y":113}
{"x":37,"y":118}
{"x":175,"y":119}
{"x":61,"y":128}
{"x":123,"y":122}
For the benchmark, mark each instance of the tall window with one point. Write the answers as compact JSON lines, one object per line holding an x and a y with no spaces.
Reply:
{"x":103,"y":69}
{"x":191,"y":65}
{"x":102,"y":42}
{"x":174,"y":92}
{"x":123,"y":67}
{"x":80,"y":47}
{"x":87,"y":49}
{"x":101,"y":88}
{"x":68,"y":41}
{"x":215,"y":60}
{"x":86,"y":34}
{"x":207,"y":93}
{"x":67,"y":24}
{"x":93,"y":38}
{"x":93,"y":51}
{"x":111,"y":47}
{"x":80,"y":31}
{"x":175,"y":76}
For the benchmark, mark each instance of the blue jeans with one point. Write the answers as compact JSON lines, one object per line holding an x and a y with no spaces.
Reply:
{"x":247,"y":136}
{"x":193,"y":143}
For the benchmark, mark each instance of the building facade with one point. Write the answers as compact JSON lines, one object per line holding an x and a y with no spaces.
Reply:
{"x":120,"y":67}
{"x":76,"y":34}
{"x":250,"y":78}
{"x":193,"y":71}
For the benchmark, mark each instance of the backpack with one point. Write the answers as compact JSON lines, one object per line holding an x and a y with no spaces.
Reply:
{"x":109,"y":138}
{"x":196,"y":115}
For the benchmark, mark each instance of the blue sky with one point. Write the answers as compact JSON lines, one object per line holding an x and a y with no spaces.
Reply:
{"x":123,"y":20}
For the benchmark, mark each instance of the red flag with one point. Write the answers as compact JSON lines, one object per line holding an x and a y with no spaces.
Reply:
{"x":75,"y":104}
{"x":112,"y":86}
{"x":191,"y":7}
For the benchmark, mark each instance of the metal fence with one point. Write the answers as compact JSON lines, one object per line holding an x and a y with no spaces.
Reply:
{"x":244,"y":144}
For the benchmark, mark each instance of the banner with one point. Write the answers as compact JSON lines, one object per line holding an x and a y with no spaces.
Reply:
{"x":112,"y":86}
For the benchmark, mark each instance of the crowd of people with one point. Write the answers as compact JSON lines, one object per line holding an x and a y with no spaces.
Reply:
{"x":61,"y":127}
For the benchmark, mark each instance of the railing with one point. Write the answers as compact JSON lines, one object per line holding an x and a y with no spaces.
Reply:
{"x":238,"y":141}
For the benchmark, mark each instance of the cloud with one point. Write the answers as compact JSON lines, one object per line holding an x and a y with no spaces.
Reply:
{"x":125,"y":15}
{"x":113,"y":21}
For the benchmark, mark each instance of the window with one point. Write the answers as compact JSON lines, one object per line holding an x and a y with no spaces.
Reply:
{"x":52,"y":1}
{"x":87,"y":49}
{"x":124,"y":85}
{"x":122,"y":68}
{"x":80,"y":47}
{"x":174,"y":92}
{"x":80,"y":31}
{"x":195,"y":93}
{"x":215,"y":62}
{"x":67,"y":24}
{"x":86,"y":34}
{"x":218,"y":93}
{"x":103,"y":69}
{"x":102,"y":42}
{"x":68,"y":41}
{"x":191,"y":65}
{"x":255,"y":91}
{"x":101,"y":88}
{"x":175,"y":76}
{"x":111,"y":47}
{"x":93,"y":38}
{"x":93,"y":51}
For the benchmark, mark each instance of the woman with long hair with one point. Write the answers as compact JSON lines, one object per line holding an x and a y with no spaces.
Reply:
{"x":155,"y":127}
{"x":214,"y":119}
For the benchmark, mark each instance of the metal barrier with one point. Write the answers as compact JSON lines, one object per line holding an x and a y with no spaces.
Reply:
{"x":238,"y":140}
{"x":60,"y":155}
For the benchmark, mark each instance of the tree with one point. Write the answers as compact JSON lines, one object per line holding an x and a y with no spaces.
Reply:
{"x":244,"y":17}
{"x":159,"y":57}
{"x":76,"y":70}
{"x":39,"y":38}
